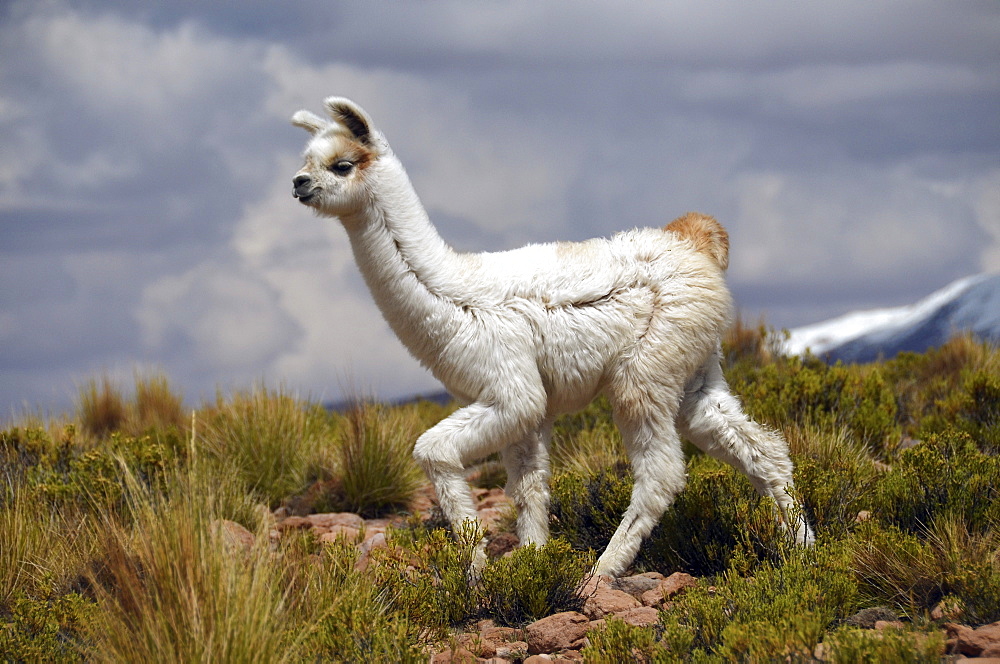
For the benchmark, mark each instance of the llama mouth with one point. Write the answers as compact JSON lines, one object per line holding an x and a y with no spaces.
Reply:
{"x":305,"y":199}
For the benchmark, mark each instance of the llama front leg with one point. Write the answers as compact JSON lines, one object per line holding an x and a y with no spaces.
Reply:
{"x":527,"y":464}
{"x":712,"y":419}
{"x":468,"y":434}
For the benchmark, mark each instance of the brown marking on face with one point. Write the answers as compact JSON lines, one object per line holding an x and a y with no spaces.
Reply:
{"x":705,"y":233}
{"x":358,"y":154}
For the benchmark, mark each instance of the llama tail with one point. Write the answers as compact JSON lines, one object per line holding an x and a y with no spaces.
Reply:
{"x":707,"y":235}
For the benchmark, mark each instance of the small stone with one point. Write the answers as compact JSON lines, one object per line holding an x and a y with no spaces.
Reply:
{"x":501,"y":544}
{"x":560,"y":631}
{"x":866,"y":618}
{"x":863,"y":515}
{"x":670,"y":587}
{"x":345,"y":533}
{"x":882,"y":625}
{"x":950,"y":610}
{"x":677,"y":583}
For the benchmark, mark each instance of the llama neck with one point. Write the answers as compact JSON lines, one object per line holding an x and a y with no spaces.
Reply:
{"x":406,"y":264}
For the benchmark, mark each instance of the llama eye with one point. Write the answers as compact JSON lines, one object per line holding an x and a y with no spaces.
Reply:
{"x":342,"y":167}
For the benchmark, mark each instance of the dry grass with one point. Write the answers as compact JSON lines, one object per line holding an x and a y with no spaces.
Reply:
{"x":375,"y":466}
{"x":172,"y":590}
{"x":272,"y":438}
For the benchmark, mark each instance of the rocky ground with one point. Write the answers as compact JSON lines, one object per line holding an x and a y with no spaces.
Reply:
{"x":636,"y":600}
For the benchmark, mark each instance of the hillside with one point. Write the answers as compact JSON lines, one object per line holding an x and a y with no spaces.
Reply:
{"x":971,"y":305}
{"x":262,"y":528}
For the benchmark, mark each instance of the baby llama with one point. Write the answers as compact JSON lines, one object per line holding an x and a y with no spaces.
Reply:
{"x":520,"y":337}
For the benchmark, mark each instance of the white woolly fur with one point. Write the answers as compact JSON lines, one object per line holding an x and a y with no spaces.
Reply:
{"x":520,"y":337}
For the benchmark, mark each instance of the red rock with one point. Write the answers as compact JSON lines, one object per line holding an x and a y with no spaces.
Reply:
{"x":641,"y":616}
{"x":234,"y":536}
{"x":635,"y":585}
{"x":513,"y":650}
{"x":458,"y":656}
{"x":294,"y":523}
{"x":502,"y":634}
{"x":560,"y":631}
{"x":983,"y":641}
{"x":604,"y":600}
{"x":677,"y":583}
{"x":329,"y":520}
{"x":501,"y":544}
{"x":476,"y":644}
{"x":345,"y":533}
{"x":376,"y":541}
{"x":881,"y":625}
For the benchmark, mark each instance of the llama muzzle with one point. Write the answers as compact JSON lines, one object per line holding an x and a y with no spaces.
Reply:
{"x":303,"y":188}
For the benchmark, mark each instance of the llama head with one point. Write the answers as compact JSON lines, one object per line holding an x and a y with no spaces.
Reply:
{"x":334,"y":180}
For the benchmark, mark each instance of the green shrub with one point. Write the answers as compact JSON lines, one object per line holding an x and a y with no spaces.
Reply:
{"x":835,"y":476}
{"x":349,"y":621}
{"x":618,"y":642}
{"x":812,"y":394}
{"x":915,"y":573}
{"x":946,"y":474}
{"x":44,"y":629}
{"x":865,"y":646}
{"x":779,"y":612}
{"x":973,"y":410}
{"x":426,"y":575}
{"x":533,"y":582}
{"x":67,"y":474}
{"x":716,"y":517}
{"x":586,"y":509}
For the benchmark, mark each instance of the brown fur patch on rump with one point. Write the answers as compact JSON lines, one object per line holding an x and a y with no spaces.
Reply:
{"x":707,"y":235}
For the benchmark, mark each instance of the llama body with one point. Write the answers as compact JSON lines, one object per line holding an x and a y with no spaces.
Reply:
{"x":520,"y":337}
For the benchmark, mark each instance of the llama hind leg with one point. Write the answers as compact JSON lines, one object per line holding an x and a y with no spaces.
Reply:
{"x":712,"y":418}
{"x":658,"y":473}
{"x":527,"y":464}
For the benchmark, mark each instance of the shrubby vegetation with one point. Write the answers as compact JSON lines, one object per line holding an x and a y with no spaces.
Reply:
{"x":111,"y":548}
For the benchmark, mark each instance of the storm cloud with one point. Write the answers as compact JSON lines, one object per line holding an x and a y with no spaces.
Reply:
{"x":852,"y":149}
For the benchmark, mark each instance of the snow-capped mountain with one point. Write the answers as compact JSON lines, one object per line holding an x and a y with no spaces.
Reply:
{"x":970,"y":304}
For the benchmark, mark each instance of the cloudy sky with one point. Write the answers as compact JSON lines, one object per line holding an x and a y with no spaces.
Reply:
{"x":852,"y":149}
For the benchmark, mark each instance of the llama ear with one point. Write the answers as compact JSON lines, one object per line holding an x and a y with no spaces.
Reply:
{"x":310,"y":122}
{"x":350,"y":116}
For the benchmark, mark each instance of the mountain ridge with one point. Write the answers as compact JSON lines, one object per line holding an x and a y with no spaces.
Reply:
{"x":970,"y":304}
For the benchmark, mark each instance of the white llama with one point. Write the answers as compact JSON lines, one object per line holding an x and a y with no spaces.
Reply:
{"x":520,"y":337}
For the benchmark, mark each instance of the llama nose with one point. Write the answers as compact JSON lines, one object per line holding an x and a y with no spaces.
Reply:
{"x":302,"y":187}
